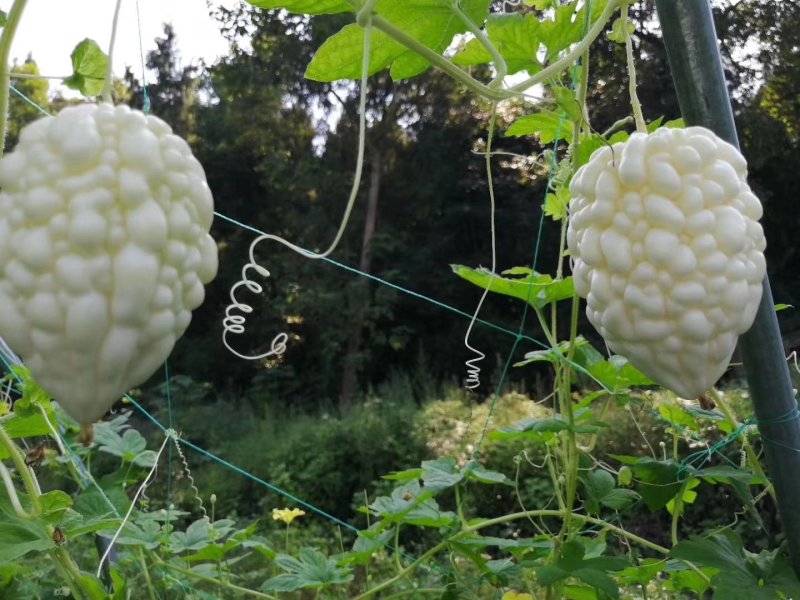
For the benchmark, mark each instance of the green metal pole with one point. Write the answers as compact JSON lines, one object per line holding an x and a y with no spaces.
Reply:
{"x":694,"y":59}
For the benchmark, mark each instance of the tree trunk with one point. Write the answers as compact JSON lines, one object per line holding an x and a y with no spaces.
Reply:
{"x":359,"y":300}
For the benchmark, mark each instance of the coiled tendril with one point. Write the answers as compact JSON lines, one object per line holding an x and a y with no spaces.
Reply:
{"x":234,"y":323}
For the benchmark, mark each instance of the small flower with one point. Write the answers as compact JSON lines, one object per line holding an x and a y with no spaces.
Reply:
{"x":516,"y":596}
{"x":287,"y":515}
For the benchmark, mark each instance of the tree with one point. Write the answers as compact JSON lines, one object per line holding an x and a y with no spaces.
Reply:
{"x":22,"y":112}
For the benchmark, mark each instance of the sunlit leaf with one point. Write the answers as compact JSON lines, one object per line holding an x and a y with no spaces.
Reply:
{"x":516,"y":38}
{"x":548,"y":126}
{"x":536,"y":289}
{"x":305,"y":7}
{"x":89,"y":66}
{"x":431,"y":22}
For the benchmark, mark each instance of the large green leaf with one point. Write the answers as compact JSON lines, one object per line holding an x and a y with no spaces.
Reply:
{"x":516,"y":38}
{"x":536,"y":289}
{"x":310,"y":570}
{"x":431,"y":22}
{"x":18,"y":538}
{"x":306,"y":7}
{"x":741,"y":576}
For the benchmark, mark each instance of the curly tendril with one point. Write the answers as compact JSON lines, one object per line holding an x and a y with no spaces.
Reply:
{"x":233,"y":323}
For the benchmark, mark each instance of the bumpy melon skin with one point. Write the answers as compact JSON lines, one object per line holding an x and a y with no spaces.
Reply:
{"x":104,"y":251}
{"x":667,"y":251}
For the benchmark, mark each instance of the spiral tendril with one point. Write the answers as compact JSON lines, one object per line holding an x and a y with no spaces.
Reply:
{"x":237,"y":311}
{"x":473,"y":379}
{"x":233,"y":323}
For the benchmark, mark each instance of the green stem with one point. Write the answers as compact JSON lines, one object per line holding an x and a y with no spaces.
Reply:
{"x":35,"y":77}
{"x":414,"y":591}
{"x":9,"y":29}
{"x":24,"y":471}
{"x":57,"y":438}
{"x":397,"y":548}
{"x":752,"y":457}
{"x":64,"y":558}
{"x":217,"y":582}
{"x":566,"y":408}
{"x":365,"y":12}
{"x":5,"y":475}
{"x":459,"y":506}
{"x":499,"y":62}
{"x":109,"y":83}
{"x":676,"y":514}
{"x":554,"y":478}
{"x":143,"y":564}
{"x":64,"y":573}
{"x":409,"y":569}
{"x":641,"y":126}
{"x":561,"y":515}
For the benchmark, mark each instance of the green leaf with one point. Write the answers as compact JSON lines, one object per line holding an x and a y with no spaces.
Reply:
{"x":555,"y":205}
{"x":310,"y":570}
{"x":625,"y":476}
{"x":615,"y":374}
{"x":601,"y":489}
{"x":780,"y":307}
{"x":476,"y":472}
{"x":54,"y":505}
{"x":516,"y":38}
{"x":148,"y":534}
{"x":567,"y":26}
{"x":369,"y":542}
{"x":18,"y":538}
{"x":572,"y":563}
{"x":28,"y":417}
{"x":586,"y":147}
{"x":536,"y":289}
{"x":130,"y":446}
{"x":475,"y":539}
{"x":431,"y":22}
{"x":3,"y":18}
{"x":440,"y":474}
{"x":305,"y":7}
{"x":548,"y":125}
{"x":565,"y":98}
{"x":89,"y":66}
{"x":657,"y":481}
{"x":411,"y":504}
{"x":539,"y":430}
{"x":741,"y":575}
{"x":677,"y":416}
{"x":617,"y":33}
{"x":643,"y":573}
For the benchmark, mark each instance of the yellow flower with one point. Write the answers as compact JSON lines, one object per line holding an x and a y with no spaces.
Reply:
{"x":516,"y":596}
{"x":287,"y":515}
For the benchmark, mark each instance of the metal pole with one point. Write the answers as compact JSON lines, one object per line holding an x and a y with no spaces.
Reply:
{"x":694,"y":59}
